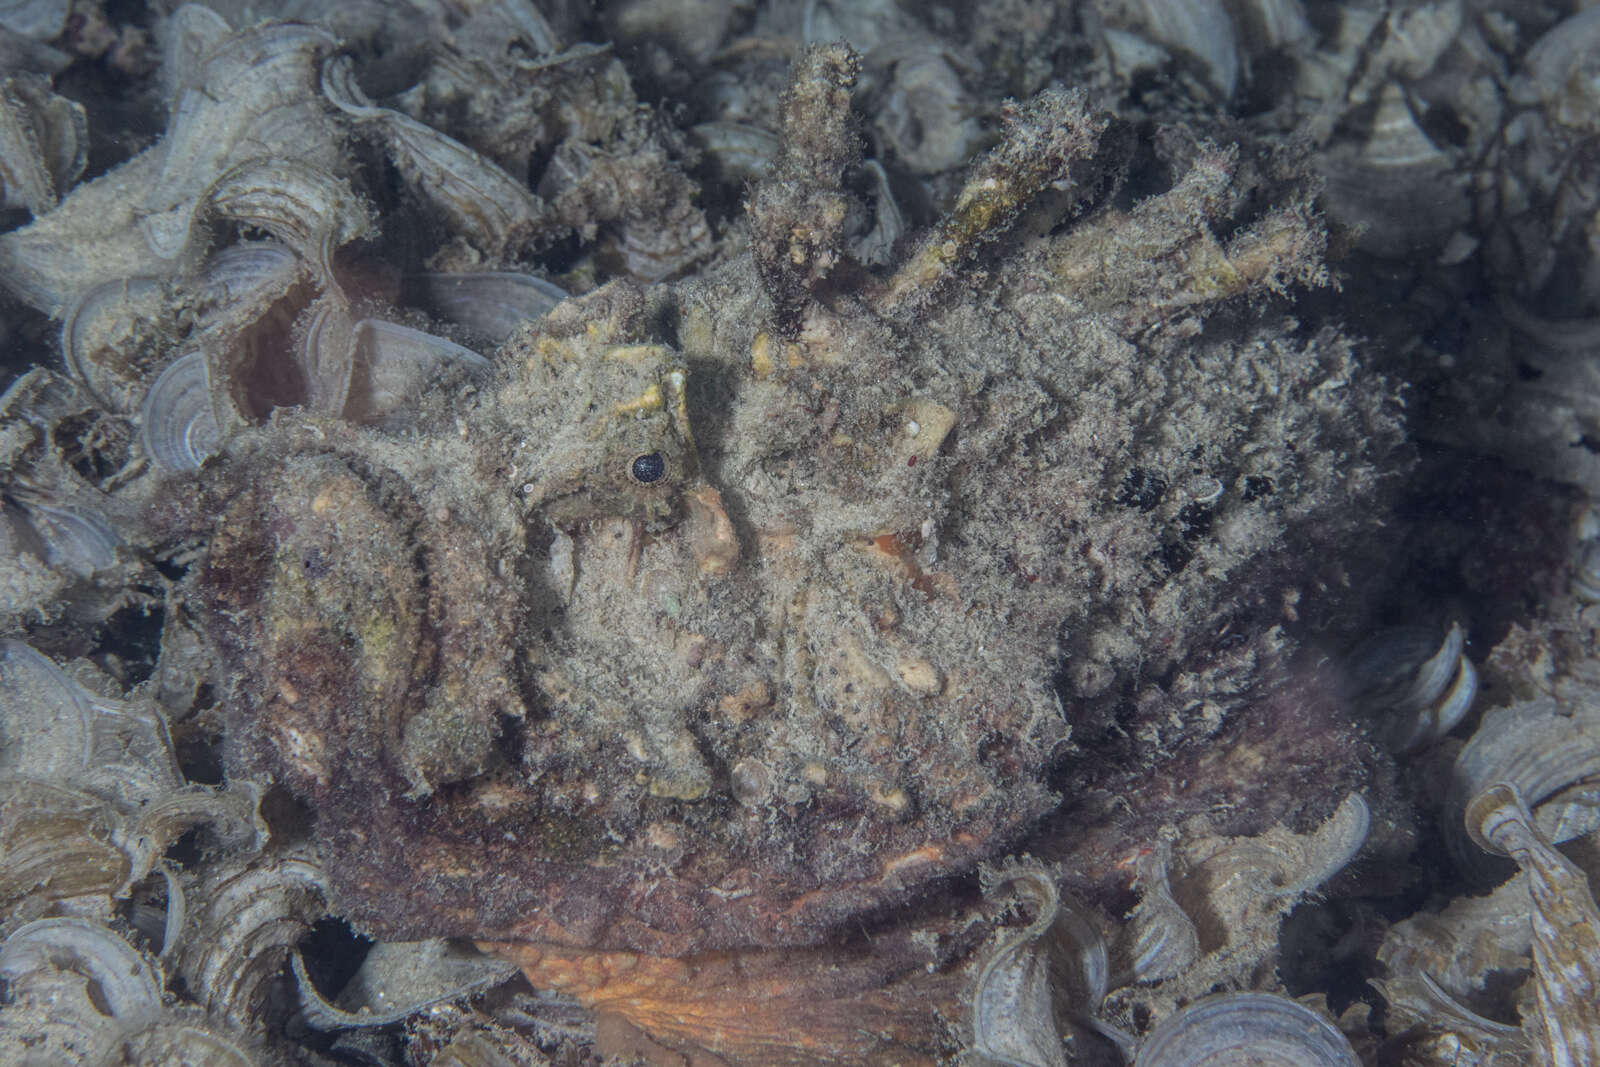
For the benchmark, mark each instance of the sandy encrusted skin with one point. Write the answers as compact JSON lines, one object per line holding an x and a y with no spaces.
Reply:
{"x":822,"y":662}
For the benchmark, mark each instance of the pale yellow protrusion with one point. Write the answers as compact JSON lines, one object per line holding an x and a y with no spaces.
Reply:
{"x":635,"y":353}
{"x":920,"y":676}
{"x":678,"y":788}
{"x":761,"y":355}
{"x":696,"y":332}
{"x":928,"y":423}
{"x":891,"y":797}
{"x":646,"y":402}
{"x":711,"y":536}
{"x":678,"y":385}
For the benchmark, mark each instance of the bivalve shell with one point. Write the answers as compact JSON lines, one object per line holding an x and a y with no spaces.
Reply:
{"x":1260,"y":1029}
{"x":490,"y":304}
{"x":1565,"y":1023}
{"x":178,"y":427}
{"x":1416,"y":687}
{"x":1550,"y":752}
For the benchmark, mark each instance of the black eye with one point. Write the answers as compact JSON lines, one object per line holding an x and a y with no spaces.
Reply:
{"x":649,"y":468}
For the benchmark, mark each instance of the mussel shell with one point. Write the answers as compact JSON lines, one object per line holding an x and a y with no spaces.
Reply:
{"x":245,"y":918}
{"x":1550,"y":752}
{"x":393,"y":364}
{"x":1202,"y":29}
{"x":489,"y":304}
{"x":1014,"y":1006}
{"x":178,"y":426}
{"x":71,"y":538}
{"x":481,"y":201}
{"x":1260,"y":1029}
{"x":1586,"y":573}
{"x":104,"y":338}
{"x":57,"y":844}
{"x":242,"y":269}
{"x":400,"y":978}
{"x":43,"y":143}
{"x":1415,"y":684}
{"x":57,"y":731}
{"x":39,"y":20}
{"x":1159,"y":940}
{"x":124,"y":986}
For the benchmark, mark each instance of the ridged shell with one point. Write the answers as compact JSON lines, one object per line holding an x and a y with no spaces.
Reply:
{"x":252,"y":99}
{"x":487,"y":304}
{"x":1014,"y":1019}
{"x":481,"y":201}
{"x":43,"y":144}
{"x":399,"y":979}
{"x":1566,"y":927}
{"x":246,"y":96}
{"x":57,"y":731}
{"x":72,"y":538}
{"x":1267,"y":868}
{"x":371,"y":370}
{"x":1558,"y":70}
{"x":240,"y":270}
{"x":1415,"y":686}
{"x":1395,"y":181}
{"x":1459,"y":946}
{"x":1159,"y":939}
{"x":106,"y":341}
{"x":41,"y":20}
{"x":68,"y":750}
{"x":1200,"y":28}
{"x":58,"y":844}
{"x":1550,"y":752}
{"x":244,"y":919}
{"x":74,"y":989}
{"x":178,"y":427}
{"x":308,"y":208}
{"x":1260,"y":1029}
{"x":393,"y":364}
{"x":1435,"y":1029}
{"x":78,"y":993}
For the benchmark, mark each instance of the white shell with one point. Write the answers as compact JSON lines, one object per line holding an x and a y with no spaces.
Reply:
{"x":1414,"y":686}
{"x":1014,"y":1017}
{"x":43,"y":144}
{"x":481,"y":201}
{"x":1550,"y":752}
{"x":1261,"y":1029}
{"x":490,"y":304}
{"x":177,"y":426}
{"x":244,"y":918}
{"x":399,"y":979}
{"x":394,"y":363}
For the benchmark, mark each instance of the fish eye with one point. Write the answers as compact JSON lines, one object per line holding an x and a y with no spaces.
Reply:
{"x":649,"y":468}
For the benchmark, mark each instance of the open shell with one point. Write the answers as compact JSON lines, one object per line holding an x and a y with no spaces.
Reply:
{"x":1262,"y":1029}
{"x":1413,"y":685}
{"x":1550,"y":752}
